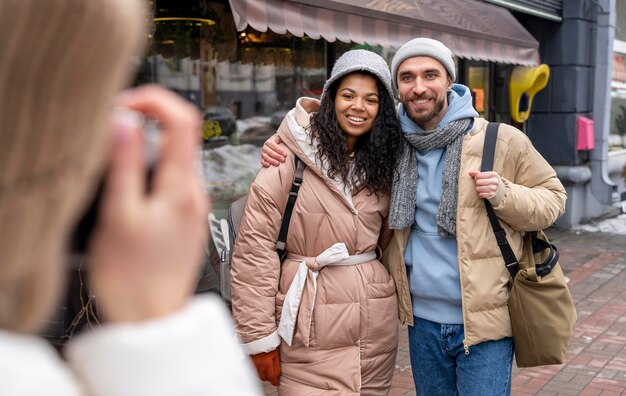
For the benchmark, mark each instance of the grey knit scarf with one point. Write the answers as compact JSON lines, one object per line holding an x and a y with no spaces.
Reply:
{"x":403,"y":192}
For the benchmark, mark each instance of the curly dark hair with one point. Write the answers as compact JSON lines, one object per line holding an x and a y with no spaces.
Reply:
{"x":374,"y":153}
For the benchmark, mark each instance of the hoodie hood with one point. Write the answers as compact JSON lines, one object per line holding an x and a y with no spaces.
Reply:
{"x":459,"y":105}
{"x":295,"y":135}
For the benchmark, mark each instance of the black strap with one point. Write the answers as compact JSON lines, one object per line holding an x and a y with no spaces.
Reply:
{"x":291,"y":201}
{"x":539,"y":245}
{"x":489,"y":149}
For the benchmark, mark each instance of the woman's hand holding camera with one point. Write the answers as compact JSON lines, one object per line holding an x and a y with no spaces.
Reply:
{"x":146,"y":250}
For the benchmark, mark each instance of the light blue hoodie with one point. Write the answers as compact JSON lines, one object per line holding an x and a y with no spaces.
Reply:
{"x":431,"y":260}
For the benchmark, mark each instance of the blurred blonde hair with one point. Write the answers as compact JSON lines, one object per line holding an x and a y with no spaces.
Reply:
{"x":61,"y":62}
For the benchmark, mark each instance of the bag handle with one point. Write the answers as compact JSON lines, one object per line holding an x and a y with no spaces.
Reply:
{"x":510,"y":261}
{"x":291,"y":200}
{"x":539,"y":245}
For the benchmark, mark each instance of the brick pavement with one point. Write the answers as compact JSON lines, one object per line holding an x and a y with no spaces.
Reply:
{"x":596,"y":360}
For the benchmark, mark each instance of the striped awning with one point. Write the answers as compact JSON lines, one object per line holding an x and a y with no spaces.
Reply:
{"x":470,"y":28}
{"x":547,"y":9}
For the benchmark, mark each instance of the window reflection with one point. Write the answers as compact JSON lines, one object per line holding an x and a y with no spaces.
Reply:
{"x":243,"y":82}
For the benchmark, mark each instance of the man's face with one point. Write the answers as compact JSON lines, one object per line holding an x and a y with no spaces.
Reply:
{"x":423,"y":86}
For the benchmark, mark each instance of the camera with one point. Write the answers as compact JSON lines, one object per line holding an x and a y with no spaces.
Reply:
{"x":87,"y":222}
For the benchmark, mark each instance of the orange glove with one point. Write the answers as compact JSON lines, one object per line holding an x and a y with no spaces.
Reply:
{"x":268,"y":366}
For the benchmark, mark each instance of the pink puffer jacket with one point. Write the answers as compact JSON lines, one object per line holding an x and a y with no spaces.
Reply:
{"x":347,"y":345}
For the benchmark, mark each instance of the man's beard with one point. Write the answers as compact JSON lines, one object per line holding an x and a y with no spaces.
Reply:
{"x":420,"y":118}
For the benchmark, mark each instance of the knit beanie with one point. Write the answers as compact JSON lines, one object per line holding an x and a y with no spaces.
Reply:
{"x":360,"y":60}
{"x":62,"y":61}
{"x":423,"y":46}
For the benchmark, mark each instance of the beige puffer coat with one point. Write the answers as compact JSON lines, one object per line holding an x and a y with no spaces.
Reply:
{"x":534,"y":199}
{"x":352,"y":335}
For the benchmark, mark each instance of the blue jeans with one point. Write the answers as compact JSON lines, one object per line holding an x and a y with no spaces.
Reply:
{"x":441,"y":367}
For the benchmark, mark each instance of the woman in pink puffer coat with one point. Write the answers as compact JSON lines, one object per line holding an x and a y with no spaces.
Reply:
{"x":324,"y":321}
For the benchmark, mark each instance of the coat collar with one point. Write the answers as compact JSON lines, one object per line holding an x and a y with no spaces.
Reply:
{"x":295,"y":134}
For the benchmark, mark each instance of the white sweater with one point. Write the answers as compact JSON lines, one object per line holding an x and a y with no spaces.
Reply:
{"x":191,"y":352}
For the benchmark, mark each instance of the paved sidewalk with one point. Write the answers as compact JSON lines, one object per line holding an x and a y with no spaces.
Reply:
{"x":596,"y":360}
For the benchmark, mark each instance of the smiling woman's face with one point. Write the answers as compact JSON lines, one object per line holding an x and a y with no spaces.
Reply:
{"x":356,"y":106}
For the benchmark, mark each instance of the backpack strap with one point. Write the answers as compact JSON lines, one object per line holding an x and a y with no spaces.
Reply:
{"x":510,"y":261}
{"x":291,"y":200}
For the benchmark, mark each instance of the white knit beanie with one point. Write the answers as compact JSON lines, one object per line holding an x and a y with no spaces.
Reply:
{"x":360,"y":60}
{"x":423,"y":46}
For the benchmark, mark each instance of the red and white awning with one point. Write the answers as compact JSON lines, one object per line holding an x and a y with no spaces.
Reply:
{"x":470,"y":28}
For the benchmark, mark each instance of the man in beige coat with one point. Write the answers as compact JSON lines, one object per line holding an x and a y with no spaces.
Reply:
{"x":444,"y":250}
{"x":450,"y":276}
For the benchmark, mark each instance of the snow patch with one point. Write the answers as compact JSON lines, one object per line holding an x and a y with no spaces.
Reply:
{"x":229,"y":170}
{"x":614,"y":225}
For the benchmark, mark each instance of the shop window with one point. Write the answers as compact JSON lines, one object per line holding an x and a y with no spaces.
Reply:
{"x":477,"y":79}
{"x":244,"y":83}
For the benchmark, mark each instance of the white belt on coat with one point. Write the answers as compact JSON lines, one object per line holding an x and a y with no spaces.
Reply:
{"x":335,"y":255}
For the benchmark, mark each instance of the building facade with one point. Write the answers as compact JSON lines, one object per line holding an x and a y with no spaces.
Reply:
{"x":572,"y":123}
{"x":244,"y":63}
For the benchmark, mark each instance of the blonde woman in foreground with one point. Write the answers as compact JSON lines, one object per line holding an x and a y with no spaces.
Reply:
{"x":62,"y":63}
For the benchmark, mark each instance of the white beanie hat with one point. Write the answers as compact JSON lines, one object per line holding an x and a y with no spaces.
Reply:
{"x":423,"y":46}
{"x":360,"y":60}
